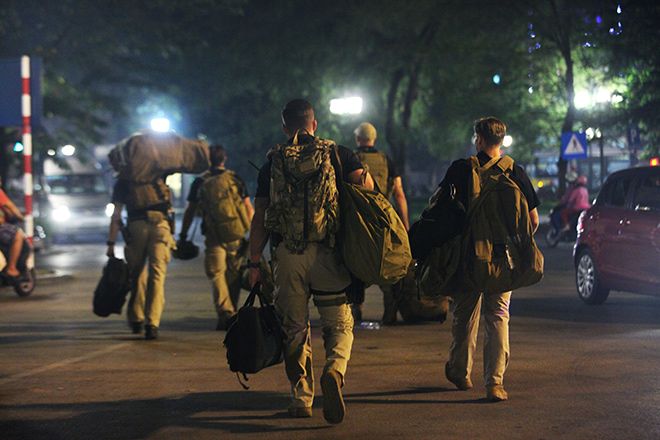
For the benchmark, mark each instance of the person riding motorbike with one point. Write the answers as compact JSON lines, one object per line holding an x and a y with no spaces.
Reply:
{"x":577,"y":201}
{"x":555,"y":213}
{"x":11,"y":237}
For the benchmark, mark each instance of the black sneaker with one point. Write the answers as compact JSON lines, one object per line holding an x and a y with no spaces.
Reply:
{"x":151,"y":332}
{"x":136,"y":327}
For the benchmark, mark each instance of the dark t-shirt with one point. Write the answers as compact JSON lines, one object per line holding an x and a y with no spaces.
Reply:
{"x":349,"y":162}
{"x":459,"y":173}
{"x":193,"y":195}
{"x":391,"y":168}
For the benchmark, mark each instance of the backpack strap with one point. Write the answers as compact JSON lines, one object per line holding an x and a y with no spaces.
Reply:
{"x":478,"y":186}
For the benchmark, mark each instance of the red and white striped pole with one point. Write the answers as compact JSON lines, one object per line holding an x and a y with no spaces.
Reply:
{"x":26,"y":105}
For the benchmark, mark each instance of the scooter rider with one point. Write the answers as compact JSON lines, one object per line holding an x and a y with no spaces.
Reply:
{"x":577,"y":202}
{"x":11,"y":237}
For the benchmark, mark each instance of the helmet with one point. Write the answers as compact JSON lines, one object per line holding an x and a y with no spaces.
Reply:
{"x":582,"y":180}
{"x":185,"y":250}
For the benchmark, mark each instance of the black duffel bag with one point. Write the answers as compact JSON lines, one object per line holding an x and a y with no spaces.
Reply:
{"x":111,"y":291}
{"x":254,"y":336}
{"x":443,"y":220}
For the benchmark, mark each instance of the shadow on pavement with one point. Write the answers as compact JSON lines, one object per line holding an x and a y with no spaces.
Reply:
{"x":138,"y":419}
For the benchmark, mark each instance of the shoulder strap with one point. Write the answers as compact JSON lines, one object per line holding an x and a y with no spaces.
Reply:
{"x":504,"y":164}
{"x":339,"y":172}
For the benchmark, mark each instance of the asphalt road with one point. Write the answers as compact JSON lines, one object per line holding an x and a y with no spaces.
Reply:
{"x":576,"y":371}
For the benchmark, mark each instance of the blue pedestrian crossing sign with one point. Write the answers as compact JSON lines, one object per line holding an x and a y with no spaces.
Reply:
{"x":574,"y":145}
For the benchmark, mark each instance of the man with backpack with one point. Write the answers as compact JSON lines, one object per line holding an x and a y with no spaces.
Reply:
{"x":149,"y":236}
{"x":296,"y":207}
{"x":384,"y":173}
{"x":488,"y":136}
{"x":223,"y":199}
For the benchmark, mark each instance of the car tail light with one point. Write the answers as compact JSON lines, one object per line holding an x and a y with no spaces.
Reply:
{"x":580,"y":222}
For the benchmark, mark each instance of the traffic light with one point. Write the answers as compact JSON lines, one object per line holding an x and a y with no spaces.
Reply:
{"x":654,"y":162}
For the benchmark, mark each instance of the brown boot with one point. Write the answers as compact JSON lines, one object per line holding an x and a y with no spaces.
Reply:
{"x":496,"y":393}
{"x":333,"y":402}
{"x":462,"y":383}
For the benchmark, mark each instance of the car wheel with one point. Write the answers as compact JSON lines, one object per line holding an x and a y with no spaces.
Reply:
{"x":552,"y":237}
{"x":590,"y":290}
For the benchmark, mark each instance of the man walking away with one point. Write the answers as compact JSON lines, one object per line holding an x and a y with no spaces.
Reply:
{"x":296,"y":207}
{"x":149,"y":237}
{"x":388,"y":181}
{"x":488,"y":136}
{"x":227,"y":212}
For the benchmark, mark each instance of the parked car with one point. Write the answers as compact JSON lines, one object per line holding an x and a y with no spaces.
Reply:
{"x":618,"y":243}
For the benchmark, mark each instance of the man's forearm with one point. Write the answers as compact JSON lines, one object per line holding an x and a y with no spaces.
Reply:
{"x":186,"y":220}
{"x":258,"y":233}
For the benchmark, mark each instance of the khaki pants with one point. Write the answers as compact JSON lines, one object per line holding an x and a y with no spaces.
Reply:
{"x":150,"y":239}
{"x":223,"y":267}
{"x":316,"y":268}
{"x":496,"y":341}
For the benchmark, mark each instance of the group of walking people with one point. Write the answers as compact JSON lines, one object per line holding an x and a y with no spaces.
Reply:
{"x":300,"y":227}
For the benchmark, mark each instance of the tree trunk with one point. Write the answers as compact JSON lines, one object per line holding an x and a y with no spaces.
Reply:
{"x":563,"y":42}
{"x":390,"y":123}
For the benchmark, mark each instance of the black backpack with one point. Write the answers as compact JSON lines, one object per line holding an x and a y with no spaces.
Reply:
{"x":114,"y":285}
{"x":444,"y":219}
{"x":254,"y":337}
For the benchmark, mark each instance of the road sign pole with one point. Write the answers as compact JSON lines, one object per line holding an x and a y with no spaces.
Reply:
{"x":26,"y":107}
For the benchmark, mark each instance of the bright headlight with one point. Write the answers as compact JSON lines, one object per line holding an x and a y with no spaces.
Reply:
{"x":61,"y":213}
{"x":109,"y":209}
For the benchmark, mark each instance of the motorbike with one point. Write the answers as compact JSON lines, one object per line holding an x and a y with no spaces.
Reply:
{"x":26,"y":281}
{"x":555,"y":235}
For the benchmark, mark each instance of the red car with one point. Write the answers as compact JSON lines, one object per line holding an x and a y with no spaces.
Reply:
{"x":618,"y":244}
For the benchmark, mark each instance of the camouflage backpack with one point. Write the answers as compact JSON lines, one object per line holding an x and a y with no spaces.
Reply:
{"x":376,"y":164}
{"x":225,"y":215}
{"x":303,"y":193}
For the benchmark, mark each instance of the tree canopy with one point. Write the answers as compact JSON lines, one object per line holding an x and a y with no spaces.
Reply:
{"x":426,"y":69}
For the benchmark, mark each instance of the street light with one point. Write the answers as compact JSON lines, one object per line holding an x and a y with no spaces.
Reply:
{"x":68,"y":150}
{"x":343,"y":106}
{"x":160,"y":124}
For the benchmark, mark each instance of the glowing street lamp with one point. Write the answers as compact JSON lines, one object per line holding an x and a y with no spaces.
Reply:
{"x":68,"y":150}
{"x":160,"y":124}
{"x":582,"y":99}
{"x":508,"y":140}
{"x":343,"y":106}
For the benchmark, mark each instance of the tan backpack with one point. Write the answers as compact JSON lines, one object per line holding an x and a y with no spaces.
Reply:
{"x":496,"y":252}
{"x":224,"y":212}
